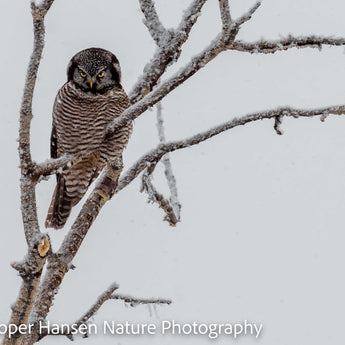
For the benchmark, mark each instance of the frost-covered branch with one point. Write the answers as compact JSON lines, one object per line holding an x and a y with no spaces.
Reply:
{"x":28,"y":196}
{"x":217,"y":46}
{"x":248,"y":15}
{"x":104,"y":297}
{"x":225,"y":16}
{"x":270,"y":47}
{"x":168,"y":171}
{"x":152,"y":21}
{"x":169,"y":46}
{"x":38,"y":244}
{"x":171,"y":207}
{"x":155,"y":155}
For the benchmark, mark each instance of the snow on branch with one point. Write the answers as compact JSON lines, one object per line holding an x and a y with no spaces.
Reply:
{"x":38,"y":244}
{"x":155,"y":155}
{"x":225,"y":16}
{"x":270,"y":47}
{"x":169,"y":46}
{"x":217,"y":46}
{"x":171,"y":207}
{"x":152,"y":21}
{"x":248,"y":15}
{"x":189,"y":18}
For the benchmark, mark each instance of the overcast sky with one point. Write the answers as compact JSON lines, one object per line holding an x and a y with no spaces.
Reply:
{"x":262,"y":228}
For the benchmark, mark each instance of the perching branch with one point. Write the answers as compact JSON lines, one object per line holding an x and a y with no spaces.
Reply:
{"x":52,"y":166}
{"x":155,"y":155}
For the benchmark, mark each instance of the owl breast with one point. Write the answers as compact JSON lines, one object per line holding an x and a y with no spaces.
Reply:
{"x":81,"y":118}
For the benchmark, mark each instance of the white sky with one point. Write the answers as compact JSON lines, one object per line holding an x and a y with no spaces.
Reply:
{"x":261,"y":236}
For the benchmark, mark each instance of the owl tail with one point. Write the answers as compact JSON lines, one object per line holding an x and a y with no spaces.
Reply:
{"x":60,"y":206}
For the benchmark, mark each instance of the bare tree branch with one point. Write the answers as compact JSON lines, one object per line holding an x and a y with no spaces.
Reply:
{"x":28,"y":197}
{"x":270,"y":47}
{"x":248,"y":15}
{"x":169,"y":50}
{"x":155,"y":155}
{"x":188,"y":20}
{"x":176,"y":206}
{"x":38,"y":244}
{"x":160,"y":92}
{"x":226,"y":17}
{"x":208,"y":54}
{"x":106,"y":296}
{"x":152,"y":22}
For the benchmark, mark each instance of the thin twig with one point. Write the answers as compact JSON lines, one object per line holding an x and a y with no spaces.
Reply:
{"x":277,"y":123}
{"x":133,"y":302}
{"x":248,"y":15}
{"x":105,"y":296}
{"x":155,"y":196}
{"x":168,"y":171}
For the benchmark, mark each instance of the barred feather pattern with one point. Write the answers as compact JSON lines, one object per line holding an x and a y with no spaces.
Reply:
{"x":79,"y":123}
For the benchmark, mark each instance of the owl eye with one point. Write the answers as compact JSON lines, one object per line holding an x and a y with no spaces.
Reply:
{"x":83,"y":74}
{"x":101,"y":75}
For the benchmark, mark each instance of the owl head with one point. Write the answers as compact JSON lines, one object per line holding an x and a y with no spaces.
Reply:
{"x":94,"y":69}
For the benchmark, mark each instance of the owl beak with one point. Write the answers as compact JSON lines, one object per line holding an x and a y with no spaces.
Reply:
{"x":91,"y":83}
